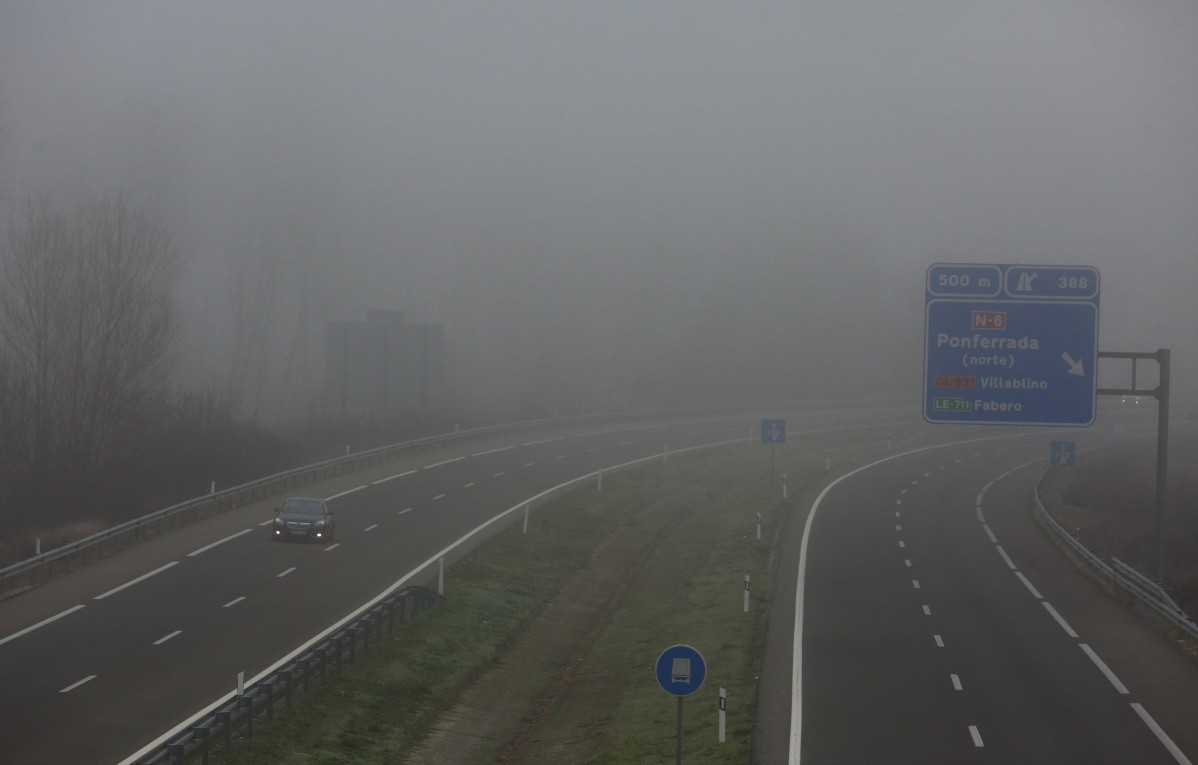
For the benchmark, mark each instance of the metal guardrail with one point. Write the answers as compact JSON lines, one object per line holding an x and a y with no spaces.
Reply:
{"x":26,"y":572}
{"x":1145,"y":592}
{"x":216,"y":726}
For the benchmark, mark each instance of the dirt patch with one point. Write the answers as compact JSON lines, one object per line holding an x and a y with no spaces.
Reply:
{"x":526,"y":707}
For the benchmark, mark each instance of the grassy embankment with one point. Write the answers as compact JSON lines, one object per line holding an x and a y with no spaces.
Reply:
{"x":694,"y":519}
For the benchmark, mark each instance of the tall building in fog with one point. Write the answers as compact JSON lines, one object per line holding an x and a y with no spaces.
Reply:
{"x":383,"y":366}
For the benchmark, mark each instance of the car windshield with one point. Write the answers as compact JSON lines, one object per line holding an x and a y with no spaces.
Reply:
{"x":302,"y":507}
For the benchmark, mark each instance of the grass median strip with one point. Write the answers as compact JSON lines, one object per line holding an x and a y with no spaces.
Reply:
{"x":544,"y":648}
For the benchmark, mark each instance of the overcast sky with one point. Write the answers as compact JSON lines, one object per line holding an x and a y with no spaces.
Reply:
{"x":603,"y":200}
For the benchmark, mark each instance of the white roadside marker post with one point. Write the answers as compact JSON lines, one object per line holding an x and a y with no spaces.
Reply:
{"x":723,"y":704}
{"x":746,"y":593}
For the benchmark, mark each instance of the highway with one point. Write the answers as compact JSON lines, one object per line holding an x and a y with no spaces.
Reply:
{"x":97,"y":664}
{"x":937,"y":624}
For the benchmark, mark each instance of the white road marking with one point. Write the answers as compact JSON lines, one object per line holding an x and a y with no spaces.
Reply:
{"x":1006,"y":558}
{"x":42,"y":623}
{"x":1060,"y":619}
{"x":467,"y":485}
{"x":392,"y":477}
{"x":976,"y":736}
{"x":405,"y":510}
{"x":528,"y":464}
{"x":442,"y":462}
{"x":492,"y":451}
{"x":939,"y":641}
{"x":165,"y":638}
{"x":1105,"y":669}
{"x":927,"y":610}
{"x":439,"y":496}
{"x":267,"y":522}
{"x":333,"y":546}
{"x":544,"y":441}
{"x":1161,"y":735}
{"x":206,"y":548}
{"x":233,"y":602}
{"x":371,"y":527}
{"x":915,"y":583}
{"x":73,"y":686}
{"x":907,"y":561}
{"x":1035,"y":593}
{"x":496,"y":475}
{"x":957,"y":683}
{"x":284,"y":573}
{"x":343,"y":493}
{"x":902,"y":543}
{"x":141,"y":578}
{"x":989,"y":533}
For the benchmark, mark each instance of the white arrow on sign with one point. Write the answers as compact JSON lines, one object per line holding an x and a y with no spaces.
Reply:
{"x":1075,"y":367}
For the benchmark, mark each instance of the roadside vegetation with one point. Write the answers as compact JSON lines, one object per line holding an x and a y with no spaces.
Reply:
{"x":670,"y":544}
{"x":1108,"y":501}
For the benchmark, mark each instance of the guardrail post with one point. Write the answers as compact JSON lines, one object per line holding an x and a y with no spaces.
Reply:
{"x":202,"y":732}
{"x":247,"y":702}
{"x":270,"y":699}
{"x":286,"y":676}
{"x":225,"y":718}
{"x":305,"y":665}
{"x":353,"y":643}
{"x":366,"y":634}
{"x":175,"y":752}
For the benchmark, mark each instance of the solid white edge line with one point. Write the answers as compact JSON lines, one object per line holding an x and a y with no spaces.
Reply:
{"x":1060,"y":619}
{"x":343,"y":493}
{"x":73,"y":686}
{"x":392,"y":477}
{"x":1098,"y":662}
{"x":1161,"y":735}
{"x":492,"y":451}
{"x":141,"y":578}
{"x":42,"y":623}
{"x":206,"y":548}
{"x":400,"y":583}
{"x":989,"y":533}
{"x":796,"y":683}
{"x":442,"y":462}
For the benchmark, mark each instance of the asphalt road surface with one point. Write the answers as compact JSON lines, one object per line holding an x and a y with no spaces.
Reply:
{"x":939,"y":625}
{"x":95,"y":665}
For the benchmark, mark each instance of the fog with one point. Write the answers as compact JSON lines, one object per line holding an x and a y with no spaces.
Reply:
{"x":618,"y":205}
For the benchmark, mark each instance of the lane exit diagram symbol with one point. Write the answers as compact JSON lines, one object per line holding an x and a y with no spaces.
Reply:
{"x":1010,"y":344}
{"x":773,"y":431}
{"x":1063,"y":453}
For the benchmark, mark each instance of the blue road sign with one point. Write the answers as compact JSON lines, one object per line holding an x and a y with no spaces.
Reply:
{"x":680,"y":670}
{"x":773,"y":431}
{"x":1010,"y":345}
{"x":1063,"y":453}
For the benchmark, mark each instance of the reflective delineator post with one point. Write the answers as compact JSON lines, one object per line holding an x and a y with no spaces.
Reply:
{"x":759,"y":527}
{"x":441,"y":576}
{"x":525,"y":517}
{"x":723,"y":704}
{"x":746,"y":593}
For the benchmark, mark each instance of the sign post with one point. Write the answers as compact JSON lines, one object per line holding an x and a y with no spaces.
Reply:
{"x":1010,"y":344}
{"x":680,"y":671}
{"x":773,"y":432}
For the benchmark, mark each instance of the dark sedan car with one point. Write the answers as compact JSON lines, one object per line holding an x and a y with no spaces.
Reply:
{"x":304,"y":518}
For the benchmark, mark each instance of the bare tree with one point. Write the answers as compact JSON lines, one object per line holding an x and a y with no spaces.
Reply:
{"x":87,"y":321}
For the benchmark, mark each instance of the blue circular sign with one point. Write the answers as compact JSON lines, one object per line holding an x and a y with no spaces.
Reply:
{"x":680,"y":670}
